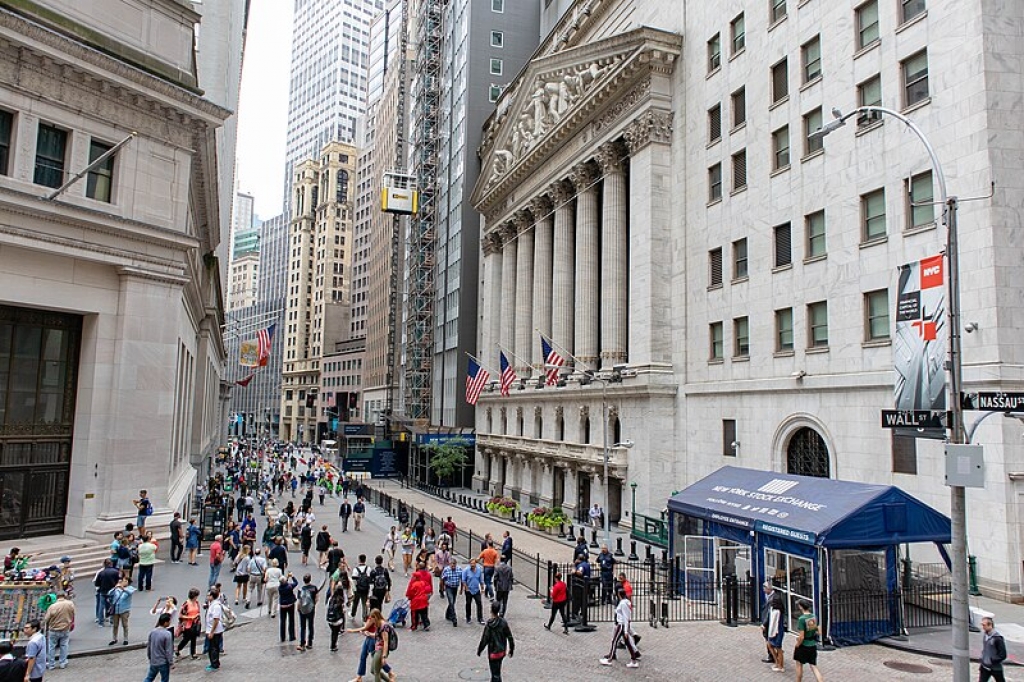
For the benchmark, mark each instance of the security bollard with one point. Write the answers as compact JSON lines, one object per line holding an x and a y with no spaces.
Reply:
{"x":732,"y":597}
{"x":632,"y":551}
{"x":593,"y":539}
{"x":571,"y":537}
{"x":618,"y":547}
{"x":561,"y":531}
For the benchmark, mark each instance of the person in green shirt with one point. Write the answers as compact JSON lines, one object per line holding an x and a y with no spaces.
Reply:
{"x":806,"y":650}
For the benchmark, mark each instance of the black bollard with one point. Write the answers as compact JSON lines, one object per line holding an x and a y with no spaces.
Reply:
{"x":618,"y":548}
{"x":561,"y":531}
{"x":585,"y":626}
{"x":593,"y":539}
{"x":664,"y":559}
{"x":648,"y":555}
{"x":732,"y":595}
{"x":571,"y":537}
{"x":632,"y":551}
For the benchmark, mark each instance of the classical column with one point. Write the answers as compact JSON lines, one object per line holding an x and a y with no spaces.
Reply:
{"x":542,"y":258}
{"x":563,"y":271}
{"x":649,"y":140}
{"x":570,"y":492}
{"x":588,"y":259}
{"x":509,"y":255}
{"x":547,"y":483}
{"x":526,"y":480}
{"x":524,"y":295}
{"x":614,"y":254}
{"x":482,"y":469}
{"x":491,"y":328}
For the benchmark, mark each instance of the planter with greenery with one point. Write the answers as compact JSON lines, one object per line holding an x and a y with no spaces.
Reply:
{"x":504,"y":507}
{"x":547,"y":519}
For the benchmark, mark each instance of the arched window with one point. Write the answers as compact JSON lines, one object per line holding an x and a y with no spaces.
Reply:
{"x":504,"y":424}
{"x":538,"y":427}
{"x":490,"y":422}
{"x":585,"y":430}
{"x":807,"y":454}
{"x":559,"y":428}
{"x":519,"y":425}
{"x":616,"y":429}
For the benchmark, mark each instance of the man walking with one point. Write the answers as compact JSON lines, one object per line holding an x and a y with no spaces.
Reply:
{"x":623,"y":630}
{"x":498,"y":640}
{"x":806,"y":650}
{"x":214,"y":628}
{"x":472,"y":579}
{"x":381,"y":582}
{"x":451,"y":576}
{"x":105,"y":581}
{"x":993,"y":653}
{"x":307,"y":612}
{"x":506,"y":549}
{"x":344,"y":512}
{"x":216,"y":559}
{"x":35,"y":651}
{"x":58,"y":621}
{"x":160,"y":650}
{"x":489,"y":559}
{"x":503,"y":583}
{"x":358,"y":511}
{"x":177,"y":538}
{"x":361,"y":585}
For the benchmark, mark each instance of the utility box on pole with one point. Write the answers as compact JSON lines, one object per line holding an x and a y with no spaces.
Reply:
{"x":965,"y":465}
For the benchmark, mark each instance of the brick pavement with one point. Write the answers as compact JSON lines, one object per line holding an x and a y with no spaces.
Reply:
{"x":686,"y":651}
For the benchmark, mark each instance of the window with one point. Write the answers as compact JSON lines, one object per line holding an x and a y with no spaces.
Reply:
{"x":904,"y":454}
{"x":51,"y":147}
{"x":715,"y":182}
{"x":494,"y":93}
{"x":911,"y":9}
{"x":777,"y":10}
{"x":867,"y":24}
{"x":783,"y":245}
{"x":780,"y":81}
{"x":814,"y":224}
{"x":919,"y":191}
{"x":915,"y":79}
{"x":741,"y":337}
{"x":498,"y":6}
{"x":6,"y":130}
{"x":784,"y":330}
{"x":714,"y":52}
{"x":869,"y":93}
{"x":715,"y":267}
{"x":497,"y":39}
{"x":496,"y":66}
{"x":817,"y":325}
{"x":739,"y":107}
{"x":780,"y":148}
{"x":812,"y":123}
{"x":739,"y":34}
{"x":812,"y":59}
{"x":101,"y":178}
{"x":872,"y":208}
{"x":716,"y":335}
{"x":728,"y":437}
{"x":739,"y":259}
{"x":739,"y":170}
{"x":715,"y":123}
{"x":876,"y":315}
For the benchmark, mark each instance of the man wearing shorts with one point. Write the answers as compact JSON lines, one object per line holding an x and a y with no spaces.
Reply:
{"x":806,"y":650}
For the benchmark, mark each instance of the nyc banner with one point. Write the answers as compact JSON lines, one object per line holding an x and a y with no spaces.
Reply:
{"x":248,"y":354}
{"x":921,"y":341}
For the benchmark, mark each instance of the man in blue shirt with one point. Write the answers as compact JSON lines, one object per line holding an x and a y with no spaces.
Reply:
{"x":35,"y":651}
{"x":472,"y":578}
{"x":451,"y":576}
{"x":580,"y":586}
{"x":606,"y":562}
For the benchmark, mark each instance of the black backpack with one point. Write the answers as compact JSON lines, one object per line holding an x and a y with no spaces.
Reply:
{"x":392,"y":636}
{"x":362,"y":580}
{"x":380,"y":579}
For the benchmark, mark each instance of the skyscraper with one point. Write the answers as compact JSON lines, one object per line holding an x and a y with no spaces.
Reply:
{"x":330,"y":46}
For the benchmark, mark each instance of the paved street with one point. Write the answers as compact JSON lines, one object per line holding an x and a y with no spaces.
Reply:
{"x":686,"y":651}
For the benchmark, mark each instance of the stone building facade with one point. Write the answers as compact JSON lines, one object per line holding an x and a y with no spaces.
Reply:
{"x":653,"y":202}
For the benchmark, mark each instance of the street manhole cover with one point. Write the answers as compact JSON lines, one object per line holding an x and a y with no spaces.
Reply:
{"x":475,"y":674}
{"x":907,"y":667}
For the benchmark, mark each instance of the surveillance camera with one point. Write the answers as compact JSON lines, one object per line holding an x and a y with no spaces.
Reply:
{"x":620,"y":367}
{"x":625,"y":444}
{"x":735,"y":445}
{"x":971,"y":327}
{"x":799,"y":374}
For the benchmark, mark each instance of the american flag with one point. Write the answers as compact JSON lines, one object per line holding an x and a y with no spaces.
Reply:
{"x":476,"y":379}
{"x":508,"y":376}
{"x":552,"y":360}
{"x":263,"y":339}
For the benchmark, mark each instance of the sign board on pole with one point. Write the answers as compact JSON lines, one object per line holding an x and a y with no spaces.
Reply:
{"x":915,"y":419}
{"x":965,"y":465}
{"x":990,"y":401}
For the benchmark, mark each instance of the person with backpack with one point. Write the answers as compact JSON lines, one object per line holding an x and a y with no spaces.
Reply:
{"x":776,"y":631}
{"x":362,"y":584}
{"x":373,"y":621}
{"x":240,"y":567}
{"x":336,"y":603}
{"x":257,"y":574}
{"x":121,"y":608}
{"x":385,"y":641}
{"x":323,"y":543}
{"x":286,"y":597}
{"x":806,"y":650}
{"x":498,"y":640}
{"x":380,"y":581}
{"x":105,"y":581}
{"x":144,"y":507}
{"x":308,"y":594}
{"x":189,"y":625}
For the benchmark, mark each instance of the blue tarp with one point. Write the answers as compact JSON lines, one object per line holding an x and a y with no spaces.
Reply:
{"x":813,"y":511}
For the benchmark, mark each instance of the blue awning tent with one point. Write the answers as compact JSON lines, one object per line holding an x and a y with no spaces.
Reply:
{"x":847,"y":534}
{"x":816,"y":511}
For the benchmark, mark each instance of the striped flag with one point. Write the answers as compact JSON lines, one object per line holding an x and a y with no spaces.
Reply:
{"x":508,"y":376}
{"x":476,"y":379}
{"x":263,"y":339}
{"x":552,"y":361}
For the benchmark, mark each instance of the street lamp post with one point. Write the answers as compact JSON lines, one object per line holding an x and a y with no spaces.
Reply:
{"x":632,"y":512}
{"x":958,"y":501}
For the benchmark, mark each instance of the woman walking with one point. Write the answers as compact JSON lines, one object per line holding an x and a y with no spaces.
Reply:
{"x":287,"y":598}
{"x":189,"y":626}
{"x":369,"y":631}
{"x":192,"y":535}
{"x":623,"y":632}
{"x":776,"y":631}
{"x":498,"y":640}
{"x":408,"y":541}
{"x":388,"y":549}
{"x":273,"y":583}
{"x":559,"y":603}
{"x":241,"y":571}
{"x":336,"y":608}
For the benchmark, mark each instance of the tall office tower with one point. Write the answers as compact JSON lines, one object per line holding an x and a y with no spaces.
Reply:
{"x":328,"y":76}
{"x":486,"y":42}
{"x":319,"y":272}
{"x":375,"y":313}
{"x":242,"y":222}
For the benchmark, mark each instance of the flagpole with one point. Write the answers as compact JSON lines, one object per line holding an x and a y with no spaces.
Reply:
{"x":482,"y":365}
{"x":565,"y":350}
{"x":515,"y":357}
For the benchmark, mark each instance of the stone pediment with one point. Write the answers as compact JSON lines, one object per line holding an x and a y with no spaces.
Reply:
{"x":559,"y":94}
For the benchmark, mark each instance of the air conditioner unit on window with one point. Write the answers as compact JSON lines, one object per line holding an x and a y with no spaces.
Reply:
{"x":869,"y":117}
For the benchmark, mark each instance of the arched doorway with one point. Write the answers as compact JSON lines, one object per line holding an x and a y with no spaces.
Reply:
{"x":807,"y":454}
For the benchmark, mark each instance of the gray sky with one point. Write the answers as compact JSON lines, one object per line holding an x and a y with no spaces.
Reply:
{"x":263,"y":105}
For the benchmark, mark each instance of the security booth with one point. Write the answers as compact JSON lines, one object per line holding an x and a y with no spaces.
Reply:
{"x":843,"y":546}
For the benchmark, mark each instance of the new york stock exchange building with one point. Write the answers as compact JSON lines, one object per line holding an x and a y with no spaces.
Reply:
{"x":720,"y":283}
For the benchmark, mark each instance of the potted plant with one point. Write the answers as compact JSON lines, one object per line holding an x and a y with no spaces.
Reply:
{"x":503,"y":507}
{"x":547,"y":520}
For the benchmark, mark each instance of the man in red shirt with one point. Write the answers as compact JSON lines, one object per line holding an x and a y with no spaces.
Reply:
{"x":559,"y":601}
{"x":449,"y":528}
{"x":626,"y":587}
{"x":216,"y":559}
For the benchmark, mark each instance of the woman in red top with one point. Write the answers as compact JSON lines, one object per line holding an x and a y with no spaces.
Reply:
{"x":418,"y":594}
{"x":559,"y":601}
{"x":188,"y":623}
